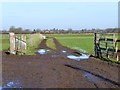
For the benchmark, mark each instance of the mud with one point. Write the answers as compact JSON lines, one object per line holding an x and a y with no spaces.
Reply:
{"x":55,"y":70}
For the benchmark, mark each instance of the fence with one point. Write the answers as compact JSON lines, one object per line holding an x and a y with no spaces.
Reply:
{"x":105,"y":45}
{"x":17,"y":43}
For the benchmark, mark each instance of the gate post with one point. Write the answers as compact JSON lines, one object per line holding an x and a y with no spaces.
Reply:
{"x":24,"y":39}
{"x":118,"y":57}
{"x":23,"y":43}
{"x":95,"y":44}
{"x":12,"y":43}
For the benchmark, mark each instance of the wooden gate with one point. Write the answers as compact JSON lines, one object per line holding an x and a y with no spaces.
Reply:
{"x":105,"y":45}
{"x":17,"y":43}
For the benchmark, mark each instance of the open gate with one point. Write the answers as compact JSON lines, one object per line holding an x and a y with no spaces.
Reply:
{"x":105,"y":45}
{"x":17,"y":43}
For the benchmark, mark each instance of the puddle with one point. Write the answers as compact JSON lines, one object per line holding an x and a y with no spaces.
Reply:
{"x":98,"y":82}
{"x":96,"y":79}
{"x":12,"y":84}
{"x":92,"y":78}
{"x":0,"y":81}
{"x":47,"y":50}
{"x":78,"y":58}
{"x":43,"y":51}
{"x":55,"y":55}
{"x":0,"y":88}
{"x":64,"y":51}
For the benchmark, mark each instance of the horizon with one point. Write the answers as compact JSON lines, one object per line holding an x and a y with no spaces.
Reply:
{"x":61,"y":15}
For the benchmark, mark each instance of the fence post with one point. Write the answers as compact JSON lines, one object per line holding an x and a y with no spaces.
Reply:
{"x":23,"y":43}
{"x":117,"y":54}
{"x":24,"y":39}
{"x":12,"y":43}
{"x":16,"y":44}
{"x":118,"y":58}
{"x":95,"y":44}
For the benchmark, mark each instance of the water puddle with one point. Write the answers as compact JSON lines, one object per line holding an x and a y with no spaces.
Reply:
{"x":64,"y":51}
{"x":0,"y":81}
{"x":78,"y":58}
{"x":1,"y":87}
{"x":43,"y":51}
{"x":91,"y":77}
{"x":12,"y":84}
{"x":97,"y":80}
{"x":55,"y":55}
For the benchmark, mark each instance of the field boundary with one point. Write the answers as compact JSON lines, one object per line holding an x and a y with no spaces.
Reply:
{"x":17,"y":43}
{"x":105,"y":44}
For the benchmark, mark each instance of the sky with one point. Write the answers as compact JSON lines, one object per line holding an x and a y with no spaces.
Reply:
{"x":61,"y":15}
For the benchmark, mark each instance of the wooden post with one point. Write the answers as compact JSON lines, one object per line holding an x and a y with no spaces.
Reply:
{"x":24,"y":39}
{"x":19,"y":43}
{"x":118,"y":53}
{"x":23,"y":43}
{"x":118,"y":57}
{"x":16,"y":44}
{"x":95,"y":44}
{"x":12,"y":43}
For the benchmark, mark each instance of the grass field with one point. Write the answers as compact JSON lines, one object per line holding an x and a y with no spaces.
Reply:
{"x":74,"y":41}
{"x":32,"y":42}
{"x":4,"y":42}
{"x":81,"y":42}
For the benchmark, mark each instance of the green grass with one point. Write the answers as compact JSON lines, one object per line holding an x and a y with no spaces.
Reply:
{"x":108,"y":60}
{"x":4,"y":42}
{"x":51,"y":44}
{"x":80,"y":41}
{"x":76,"y":41}
{"x":33,"y":42}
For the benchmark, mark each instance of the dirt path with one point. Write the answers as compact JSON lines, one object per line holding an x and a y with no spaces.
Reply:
{"x":55,"y":70}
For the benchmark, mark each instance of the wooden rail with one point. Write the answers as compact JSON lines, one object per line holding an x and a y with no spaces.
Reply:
{"x":17,"y":43}
{"x":106,"y":45}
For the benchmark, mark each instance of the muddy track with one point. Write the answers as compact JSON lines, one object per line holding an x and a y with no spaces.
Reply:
{"x":55,"y":70}
{"x":59,"y":48}
{"x":43,"y":45}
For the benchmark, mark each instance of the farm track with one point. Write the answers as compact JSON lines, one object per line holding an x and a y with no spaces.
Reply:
{"x":55,"y":70}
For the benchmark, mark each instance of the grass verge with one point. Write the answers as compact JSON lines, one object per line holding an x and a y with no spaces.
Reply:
{"x":4,"y":42}
{"x":33,"y":42}
{"x":50,"y":43}
{"x":108,"y":60}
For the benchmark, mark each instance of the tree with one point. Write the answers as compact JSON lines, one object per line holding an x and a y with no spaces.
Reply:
{"x":15,"y":30}
{"x":70,"y":30}
{"x":12,"y":29}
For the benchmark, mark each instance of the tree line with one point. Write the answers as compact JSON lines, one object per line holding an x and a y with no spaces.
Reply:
{"x":58,"y":31}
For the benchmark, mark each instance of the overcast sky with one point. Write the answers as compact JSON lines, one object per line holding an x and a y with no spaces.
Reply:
{"x":62,"y":15}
